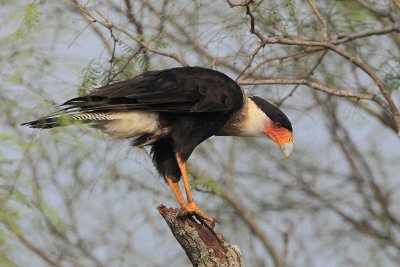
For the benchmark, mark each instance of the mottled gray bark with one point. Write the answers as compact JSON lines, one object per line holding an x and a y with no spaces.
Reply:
{"x":204,"y":247}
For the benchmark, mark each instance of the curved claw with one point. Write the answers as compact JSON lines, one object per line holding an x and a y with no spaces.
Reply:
{"x":191,"y":209}
{"x":209,"y":224}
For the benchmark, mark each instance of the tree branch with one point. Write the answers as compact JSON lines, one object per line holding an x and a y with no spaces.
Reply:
{"x":332,"y":46}
{"x":100,"y":35}
{"x":341,"y":39}
{"x":320,"y":18}
{"x":204,"y":247}
{"x":317,"y":86}
{"x":105,"y":22}
{"x":366,"y":69}
{"x":191,"y":40}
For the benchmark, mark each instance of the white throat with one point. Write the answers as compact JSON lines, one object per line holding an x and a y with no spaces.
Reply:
{"x":254,"y":121}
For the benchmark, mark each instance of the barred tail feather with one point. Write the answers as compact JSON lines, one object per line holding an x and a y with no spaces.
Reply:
{"x":73,"y":118}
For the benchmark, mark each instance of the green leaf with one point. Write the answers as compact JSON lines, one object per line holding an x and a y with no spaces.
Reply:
{"x":15,"y":78}
{"x":89,"y":76}
{"x":53,"y":217}
{"x":291,"y":5}
{"x":208,"y":184}
{"x":29,"y":22}
{"x":31,"y":16}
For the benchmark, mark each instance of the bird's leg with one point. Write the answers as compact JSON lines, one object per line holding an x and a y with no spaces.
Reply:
{"x":177,"y":191}
{"x":191,"y":207}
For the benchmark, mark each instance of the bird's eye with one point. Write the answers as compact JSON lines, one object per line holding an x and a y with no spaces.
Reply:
{"x":277,"y":124}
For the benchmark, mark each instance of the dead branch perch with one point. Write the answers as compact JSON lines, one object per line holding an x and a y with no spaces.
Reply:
{"x":204,"y":247}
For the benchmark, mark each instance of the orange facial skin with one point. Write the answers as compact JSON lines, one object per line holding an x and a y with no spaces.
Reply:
{"x":278,"y":134}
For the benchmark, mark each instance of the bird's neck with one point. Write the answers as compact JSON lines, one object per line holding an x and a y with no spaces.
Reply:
{"x":248,"y":121}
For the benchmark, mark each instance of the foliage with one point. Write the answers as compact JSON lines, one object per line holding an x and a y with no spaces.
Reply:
{"x":71,"y":197}
{"x":29,"y":21}
{"x":291,"y":5}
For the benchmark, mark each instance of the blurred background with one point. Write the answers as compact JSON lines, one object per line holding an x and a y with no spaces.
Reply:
{"x":74,"y":197}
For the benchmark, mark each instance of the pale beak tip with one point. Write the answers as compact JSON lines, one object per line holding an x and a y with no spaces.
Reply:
{"x":287,"y":149}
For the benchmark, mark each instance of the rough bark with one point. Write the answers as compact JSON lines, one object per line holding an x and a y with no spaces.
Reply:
{"x":204,"y":247}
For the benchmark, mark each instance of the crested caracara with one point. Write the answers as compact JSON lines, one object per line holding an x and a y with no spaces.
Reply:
{"x":173,"y":111}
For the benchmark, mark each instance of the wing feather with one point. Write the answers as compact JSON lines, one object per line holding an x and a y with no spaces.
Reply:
{"x":187,"y":89}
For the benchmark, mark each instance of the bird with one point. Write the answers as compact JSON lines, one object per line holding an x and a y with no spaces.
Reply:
{"x":173,"y":111}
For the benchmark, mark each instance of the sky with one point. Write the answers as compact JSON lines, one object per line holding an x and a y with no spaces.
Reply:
{"x":71,"y":47}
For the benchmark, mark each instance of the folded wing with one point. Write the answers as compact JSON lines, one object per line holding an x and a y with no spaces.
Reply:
{"x":187,"y":89}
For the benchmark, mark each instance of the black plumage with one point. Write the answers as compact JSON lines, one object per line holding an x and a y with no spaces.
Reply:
{"x":189,"y":89}
{"x":174,"y":110}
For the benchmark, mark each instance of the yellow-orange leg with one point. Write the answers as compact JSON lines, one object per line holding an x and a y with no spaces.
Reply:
{"x":177,"y":191}
{"x":191,"y":206}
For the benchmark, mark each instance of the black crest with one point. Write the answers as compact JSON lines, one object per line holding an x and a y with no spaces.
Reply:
{"x":273,"y":112}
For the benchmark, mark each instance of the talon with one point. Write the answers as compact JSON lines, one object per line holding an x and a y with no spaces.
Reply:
{"x":191,"y":209}
{"x":209,"y":225}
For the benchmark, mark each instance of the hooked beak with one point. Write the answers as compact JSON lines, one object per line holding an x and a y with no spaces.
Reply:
{"x":286,"y":148}
{"x":282,"y":137}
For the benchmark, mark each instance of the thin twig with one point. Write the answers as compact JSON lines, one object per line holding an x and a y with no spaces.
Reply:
{"x":396,"y":3}
{"x":317,"y":86}
{"x":386,"y":94}
{"x":287,"y":57}
{"x":109,"y":25}
{"x":252,"y":57}
{"x":190,"y":39}
{"x":253,"y":29}
{"x":138,"y":25}
{"x":309,"y":73}
{"x":112,"y":58}
{"x":367,"y":33}
{"x":104,"y":40}
{"x":128,"y":61}
{"x":340,"y":40}
{"x":172,"y":55}
{"x":394,"y":111}
{"x":241,"y":4}
{"x":321,"y":18}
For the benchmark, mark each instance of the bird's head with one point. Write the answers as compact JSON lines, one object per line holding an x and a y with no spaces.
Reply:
{"x":276,"y":125}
